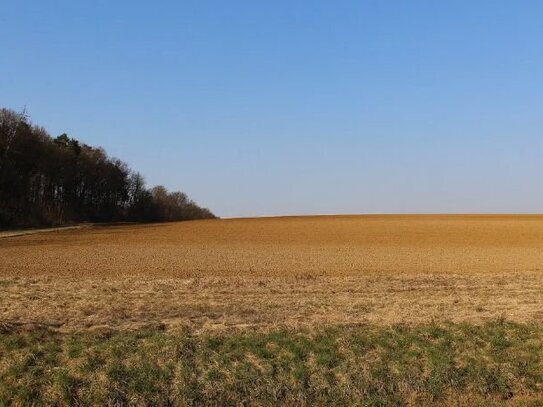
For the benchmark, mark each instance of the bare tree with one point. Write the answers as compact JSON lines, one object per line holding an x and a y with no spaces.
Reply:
{"x":9,"y":123}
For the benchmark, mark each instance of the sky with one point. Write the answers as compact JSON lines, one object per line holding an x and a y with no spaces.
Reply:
{"x":295,"y":107}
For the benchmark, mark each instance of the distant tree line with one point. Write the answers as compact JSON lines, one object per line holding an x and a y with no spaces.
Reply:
{"x":54,"y":181}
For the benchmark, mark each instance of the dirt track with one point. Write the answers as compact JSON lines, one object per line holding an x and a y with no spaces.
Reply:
{"x":23,"y":232}
{"x":261,"y":272}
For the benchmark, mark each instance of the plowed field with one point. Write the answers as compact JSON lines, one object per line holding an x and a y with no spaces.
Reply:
{"x":292,"y":271}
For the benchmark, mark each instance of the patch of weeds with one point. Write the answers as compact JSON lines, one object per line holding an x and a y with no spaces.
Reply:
{"x":74,"y":348}
{"x":68,"y":386}
{"x":13,"y":342}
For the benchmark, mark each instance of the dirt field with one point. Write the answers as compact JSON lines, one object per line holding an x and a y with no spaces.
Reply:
{"x":269,"y":272}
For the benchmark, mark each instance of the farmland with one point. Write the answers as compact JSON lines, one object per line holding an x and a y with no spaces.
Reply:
{"x":260,"y":272}
{"x":331,"y":291}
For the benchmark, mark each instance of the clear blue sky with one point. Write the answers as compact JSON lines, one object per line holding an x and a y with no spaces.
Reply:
{"x":295,"y":107}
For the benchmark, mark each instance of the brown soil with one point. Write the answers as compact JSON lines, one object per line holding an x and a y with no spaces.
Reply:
{"x":266,"y":272}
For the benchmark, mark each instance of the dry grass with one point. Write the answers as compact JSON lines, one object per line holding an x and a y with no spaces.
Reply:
{"x":291,"y":272}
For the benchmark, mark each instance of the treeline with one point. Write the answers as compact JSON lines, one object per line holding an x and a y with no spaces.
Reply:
{"x":55,"y":181}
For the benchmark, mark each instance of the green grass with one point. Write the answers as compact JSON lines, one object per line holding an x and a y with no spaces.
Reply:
{"x":494,"y":364}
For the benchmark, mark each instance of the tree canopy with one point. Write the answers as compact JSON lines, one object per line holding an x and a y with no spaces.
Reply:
{"x":54,"y":181}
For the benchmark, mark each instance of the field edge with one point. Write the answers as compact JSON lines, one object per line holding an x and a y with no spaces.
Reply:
{"x":431,"y":364}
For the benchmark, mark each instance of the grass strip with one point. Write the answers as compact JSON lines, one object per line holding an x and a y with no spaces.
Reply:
{"x":492,"y":364}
